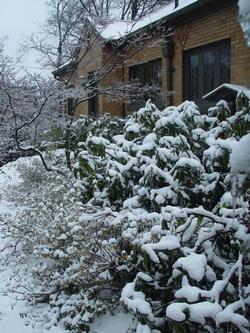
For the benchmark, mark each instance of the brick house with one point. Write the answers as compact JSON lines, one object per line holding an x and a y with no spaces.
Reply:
{"x":188,"y":47}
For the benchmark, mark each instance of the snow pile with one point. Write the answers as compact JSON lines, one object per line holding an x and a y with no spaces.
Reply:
{"x":240,"y":156}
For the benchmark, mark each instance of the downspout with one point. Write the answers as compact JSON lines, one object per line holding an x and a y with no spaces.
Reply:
{"x":170,"y":70}
{"x":168,"y":48}
{"x":170,"y":81}
{"x":124,"y":114}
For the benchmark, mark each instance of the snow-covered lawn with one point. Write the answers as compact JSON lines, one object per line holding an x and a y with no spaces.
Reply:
{"x":11,"y":312}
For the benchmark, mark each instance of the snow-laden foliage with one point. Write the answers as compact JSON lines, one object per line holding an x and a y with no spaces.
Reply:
{"x":153,"y":214}
{"x":59,"y":246}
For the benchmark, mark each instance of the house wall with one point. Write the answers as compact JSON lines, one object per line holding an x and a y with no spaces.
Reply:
{"x":206,"y":26}
{"x":214,"y":22}
{"x":150,"y":51}
{"x":135,"y":54}
{"x":90,"y":61}
{"x":113,"y":74}
{"x":99,"y":58}
{"x":219,"y":24}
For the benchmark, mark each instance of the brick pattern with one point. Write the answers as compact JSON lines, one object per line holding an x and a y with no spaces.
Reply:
{"x":214,"y":27}
{"x":188,"y":34}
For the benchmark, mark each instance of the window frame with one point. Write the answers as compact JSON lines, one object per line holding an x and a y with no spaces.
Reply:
{"x":216,"y":49}
{"x":144,"y":75}
{"x":71,"y":106}
{"x":93,"y":95}
{"x":145,"y":72}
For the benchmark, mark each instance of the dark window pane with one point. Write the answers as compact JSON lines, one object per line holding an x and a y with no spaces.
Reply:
{"x":70,"y":106}
{"x":131,"y":73}
{"x":193,"y":76}
{"x":157,"y":73}
{"x":93,"y":101}
{"x":134,"y":73}
{"x":205,"y":69}
{"x":224,"y":56}
{"x":147,"y":73}
{"x":209,"y":70}
{"x":149,"y":76}
{"x":140,"y":74}
{"x":147,"y":70}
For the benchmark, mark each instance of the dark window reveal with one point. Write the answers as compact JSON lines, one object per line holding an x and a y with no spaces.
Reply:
{"x":205,"y":69}
{"x":71,"y":106}
{"x":149,"y":77}
{"x":93,"y":97}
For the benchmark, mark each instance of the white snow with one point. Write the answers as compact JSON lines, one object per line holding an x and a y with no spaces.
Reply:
{"x":240,"y":156}
{"x":166,"y":243}
{"x":228,"y":315}
{"x":234,"y":87}
{"x":118,"y":323}
{"x":135,"y":301}
{"x":12,"y":313}
{"x":143,"y":329}
{"x":202,"y":310}
{"x":191,"y":162}
{"x":190,"y":293}
{"x":194,"y":265}
{"x":118,"y":29}
{"x":244,"y":18}
{"x":197,"y":312}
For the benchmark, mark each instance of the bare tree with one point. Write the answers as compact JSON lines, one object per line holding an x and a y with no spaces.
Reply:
{"x":27,"y":108}
{"x":72,"y":30}
{"x":61,"y":35}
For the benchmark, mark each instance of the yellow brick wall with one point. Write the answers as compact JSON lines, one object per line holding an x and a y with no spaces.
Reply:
{"x":190,"y":32}
{"x":88,"y":62}
{"x":214,"y":27}
{"x":102,"y":60}
{"x":151,"y":50}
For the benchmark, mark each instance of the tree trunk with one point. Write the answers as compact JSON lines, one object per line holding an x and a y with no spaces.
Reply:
{"x":134,"y":9}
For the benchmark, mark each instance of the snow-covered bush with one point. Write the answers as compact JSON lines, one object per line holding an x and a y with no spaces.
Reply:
{"x":168,"y":174}
{"x":59,"y":245}
{"x":150,"y":215}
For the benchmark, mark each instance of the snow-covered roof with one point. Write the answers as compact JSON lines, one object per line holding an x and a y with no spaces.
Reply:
{"x":224,"y":90}
{"x":64,"y":67}
{"x":120,"y":28}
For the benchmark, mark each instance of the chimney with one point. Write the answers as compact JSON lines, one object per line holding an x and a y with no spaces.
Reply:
{"x":176,"y":3}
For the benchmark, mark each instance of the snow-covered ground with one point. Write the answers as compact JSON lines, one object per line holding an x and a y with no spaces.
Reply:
{"x":11,"y":312}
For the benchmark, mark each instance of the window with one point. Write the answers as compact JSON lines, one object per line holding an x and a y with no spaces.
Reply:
{"x":93,"y":97}
{"x":205,"y":68}
{"x":147,"y":74}
{"x":71,"y":106}
{"x":149,"y":77}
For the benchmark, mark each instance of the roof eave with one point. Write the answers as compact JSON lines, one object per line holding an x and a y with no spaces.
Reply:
{"x":64,"y":69}
{"x":168,"y":18}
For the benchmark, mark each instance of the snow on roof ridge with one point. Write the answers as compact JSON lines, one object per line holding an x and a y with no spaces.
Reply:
{"x":121,"y":28}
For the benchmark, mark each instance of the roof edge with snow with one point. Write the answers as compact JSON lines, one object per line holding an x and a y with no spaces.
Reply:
{"x":225,"y":91}
{"x":124,"y":29}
